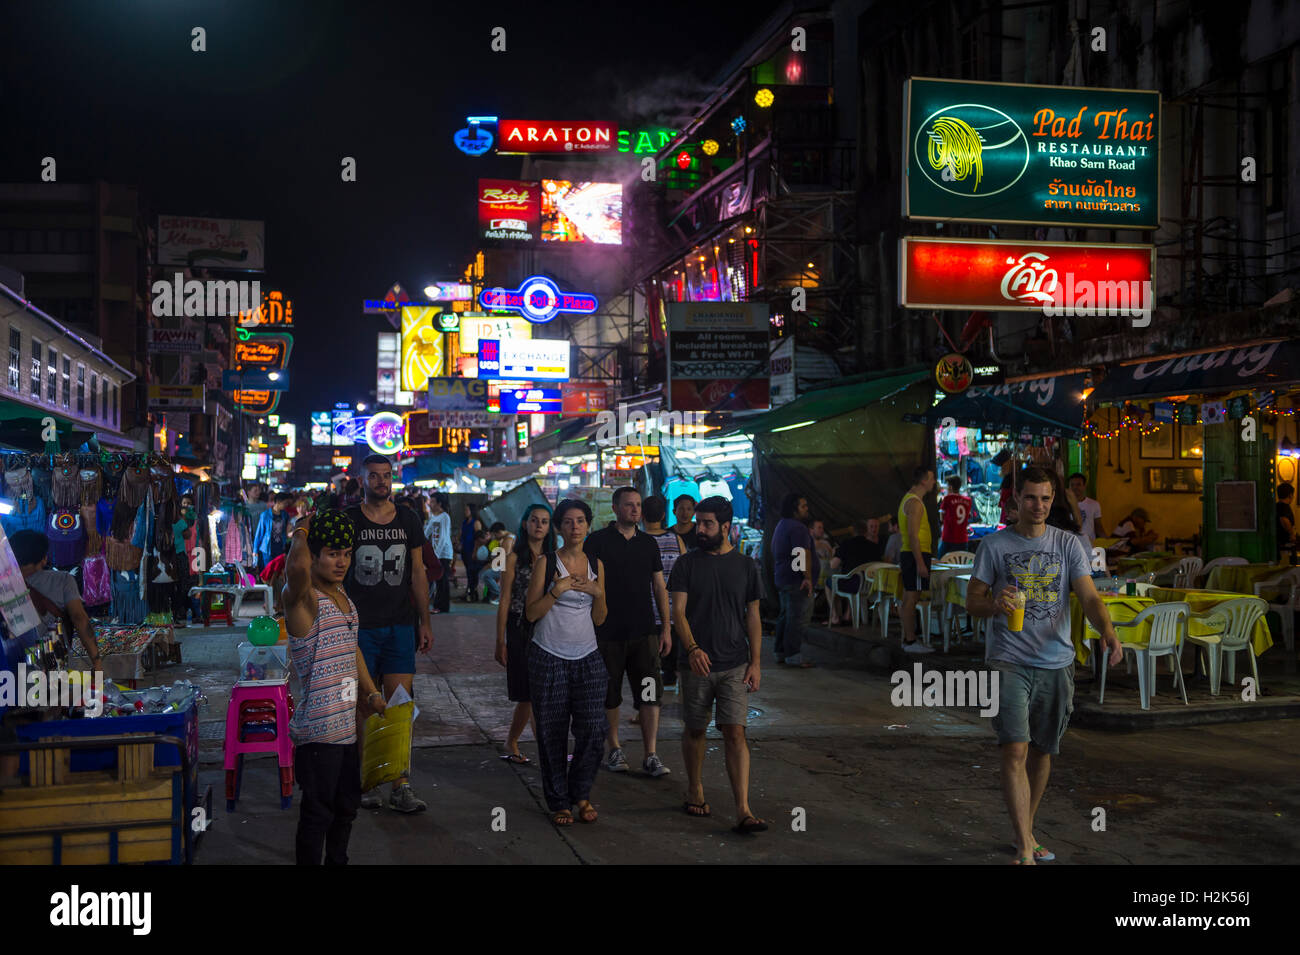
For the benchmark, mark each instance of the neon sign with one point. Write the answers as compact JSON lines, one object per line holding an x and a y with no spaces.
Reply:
{"x":527,"y":136}
{"x":385,"y":432}
{"x":539,"y":300}
{"x":641,"y":142}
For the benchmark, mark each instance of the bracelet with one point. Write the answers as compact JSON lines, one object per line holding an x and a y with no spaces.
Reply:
{"x":693,"y":649}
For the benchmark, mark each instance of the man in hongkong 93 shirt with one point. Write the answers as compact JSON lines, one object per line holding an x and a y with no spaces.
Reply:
{"x":387,"y":583}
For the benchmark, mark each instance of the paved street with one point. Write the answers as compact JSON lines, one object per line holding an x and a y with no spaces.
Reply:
{"x":924,"y":791}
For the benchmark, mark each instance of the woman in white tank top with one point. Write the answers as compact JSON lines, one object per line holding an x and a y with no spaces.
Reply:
{"x":567,"y":678}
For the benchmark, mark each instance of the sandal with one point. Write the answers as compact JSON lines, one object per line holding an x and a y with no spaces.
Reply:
{"x":519,"y":759}
{"x":1023,"y":860}
{"x":690,"y":809}
{"x":587,"y":814}
{"x":749,"y":825}
{"x":1043,"y":855}
{"x":562,"y":818}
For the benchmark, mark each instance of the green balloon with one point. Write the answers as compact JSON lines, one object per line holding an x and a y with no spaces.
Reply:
{"x":263,"y":631}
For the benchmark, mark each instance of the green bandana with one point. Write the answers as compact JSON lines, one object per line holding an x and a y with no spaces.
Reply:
{"x":330,"y":529}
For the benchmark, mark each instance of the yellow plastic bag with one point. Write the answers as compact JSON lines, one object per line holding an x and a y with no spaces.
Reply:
{"x":386,"y":753}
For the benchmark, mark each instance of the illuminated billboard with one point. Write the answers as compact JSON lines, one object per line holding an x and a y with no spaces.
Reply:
{"x":386,"y":367}
{"x":422,"y":346}
{"x":541,"y":136}
{"x":474,"y":326}
{"x":531,"y":401}
{"x":321,"y":428}
{"x":509,"y":209}
{"x":574,"y":211}
{"x":341,"y":428}
{"x":538,"y":299}
{"x":542,"y":359}
{"x":1051,"y":155}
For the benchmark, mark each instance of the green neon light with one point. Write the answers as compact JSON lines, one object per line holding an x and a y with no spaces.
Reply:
{"x":641,"y":142}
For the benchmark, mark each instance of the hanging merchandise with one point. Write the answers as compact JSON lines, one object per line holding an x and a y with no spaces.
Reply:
{"x":66,"y":482}
{"x":42,"y":477}
{"x":113,"y":468}
{"x":91,"y":486}
{"x":97,"y":584}
{"x":67,"y":538}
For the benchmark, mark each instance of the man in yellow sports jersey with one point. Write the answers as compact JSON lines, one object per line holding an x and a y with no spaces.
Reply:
{"x":914,"y":525}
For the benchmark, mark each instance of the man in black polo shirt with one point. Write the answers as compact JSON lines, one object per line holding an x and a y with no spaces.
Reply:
{"x":628,"y":640}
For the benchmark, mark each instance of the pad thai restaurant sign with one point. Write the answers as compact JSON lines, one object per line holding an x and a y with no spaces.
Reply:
{"x":1050,"y":155}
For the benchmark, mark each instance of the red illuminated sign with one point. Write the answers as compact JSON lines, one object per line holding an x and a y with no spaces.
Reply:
{"x":528,"y":136}
{"x":509,"y":209}
{"x":1077,"y":278}
{"x":581,"y":398}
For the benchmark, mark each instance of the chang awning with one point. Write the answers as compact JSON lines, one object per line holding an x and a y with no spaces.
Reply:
{"x":1052,"y":405}
{"x":1267,"y":365}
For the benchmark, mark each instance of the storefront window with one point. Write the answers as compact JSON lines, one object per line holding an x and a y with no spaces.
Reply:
{"x":94,"y":395}
{"x":15,"y":356}
{"x":36,"y":370}
{"x":67,"y":381}
{"x":52,"y":381}
{"x":81,"y":389}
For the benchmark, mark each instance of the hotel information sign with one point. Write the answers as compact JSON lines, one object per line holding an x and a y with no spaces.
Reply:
{"x":1049,"y":155}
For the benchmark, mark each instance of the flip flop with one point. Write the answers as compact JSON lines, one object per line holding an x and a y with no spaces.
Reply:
{"x":1023,"y":860}
{"x":519,"y":759}
{"x":582,"y":814}
{"x":688,"y":806}
{"x":1043,"y":855}
{"x":749,"y":825}
{"x":562,"y":818}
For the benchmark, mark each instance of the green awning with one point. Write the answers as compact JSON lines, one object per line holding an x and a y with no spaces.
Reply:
{"x":824,"y":403}
{"x":21,"y":428}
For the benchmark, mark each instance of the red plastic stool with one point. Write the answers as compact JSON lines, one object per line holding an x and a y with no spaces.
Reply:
{"x":257,"y":703}
{"x":218,"y":609}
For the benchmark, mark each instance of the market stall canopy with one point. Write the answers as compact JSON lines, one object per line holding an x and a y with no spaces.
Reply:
{"x":1051,"y":405}
{"x":824,"y":403}
{"x":1267,"y":365}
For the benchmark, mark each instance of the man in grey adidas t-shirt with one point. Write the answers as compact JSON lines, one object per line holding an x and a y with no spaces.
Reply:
{"x":1036,"y":664}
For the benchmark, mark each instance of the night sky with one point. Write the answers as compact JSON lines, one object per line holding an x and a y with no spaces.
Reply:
{"x":256,"y":127}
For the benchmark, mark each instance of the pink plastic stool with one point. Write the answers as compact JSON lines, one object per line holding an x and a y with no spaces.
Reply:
{"x":276,"y":694}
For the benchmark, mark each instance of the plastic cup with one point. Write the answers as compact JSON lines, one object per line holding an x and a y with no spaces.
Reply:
{"x":1016,"y":619}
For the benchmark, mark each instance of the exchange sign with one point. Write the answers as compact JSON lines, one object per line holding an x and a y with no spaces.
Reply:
{"x":1053,"y":155}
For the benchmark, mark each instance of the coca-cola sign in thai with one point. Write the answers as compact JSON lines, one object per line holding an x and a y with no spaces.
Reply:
{"x":1076,"y":278}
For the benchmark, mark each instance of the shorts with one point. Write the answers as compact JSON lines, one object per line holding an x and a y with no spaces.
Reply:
{"x":388,"y":650}
{"x":639,"y":659}
{"x":726,"y":688}
{"x":517,"y":661}
{"x":912,"y":580}
{"x":1034,"y":705}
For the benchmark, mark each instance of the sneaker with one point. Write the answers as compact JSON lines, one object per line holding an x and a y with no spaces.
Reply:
{"x":403,"y":799}
{"x":372,"y":800}
{"x":617,"y":762}
{"x":917,"y":647}
{"x":655,"y":766}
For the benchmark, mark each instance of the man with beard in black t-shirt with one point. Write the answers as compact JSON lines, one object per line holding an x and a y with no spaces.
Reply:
{"x":387,"y":583}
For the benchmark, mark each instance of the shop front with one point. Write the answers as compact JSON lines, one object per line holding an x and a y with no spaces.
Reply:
{"x":984,"y":433}
{"x":1200,"y":441}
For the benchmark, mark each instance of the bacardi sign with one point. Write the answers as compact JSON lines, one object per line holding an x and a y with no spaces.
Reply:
{"x":530,"y":136}
{"x":1075,"y":278}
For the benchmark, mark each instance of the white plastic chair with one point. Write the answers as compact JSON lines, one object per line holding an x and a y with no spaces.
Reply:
{"x":1168,"y":634}
{"x":1288,"y":585}
{"x":1240,"y":617}
{"x":882,"y":600}
{"x":1188,"y":568}
{"x":1204,"y":572}
{"x":855,"y":597}
{"x":1098,"y":559}
{"x":963,"y":557}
